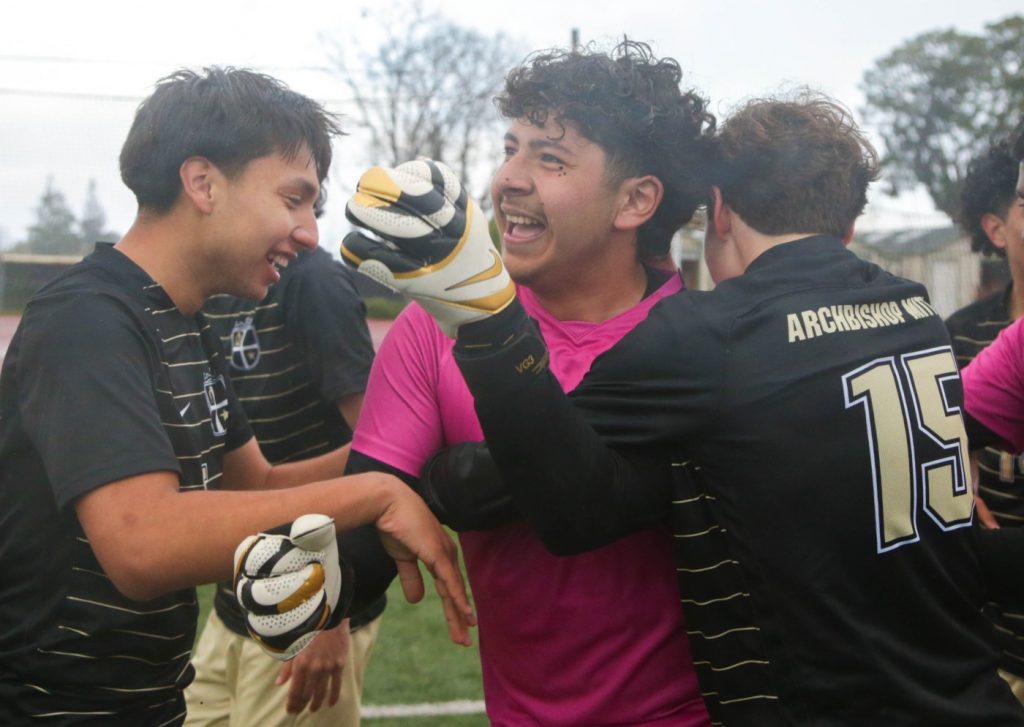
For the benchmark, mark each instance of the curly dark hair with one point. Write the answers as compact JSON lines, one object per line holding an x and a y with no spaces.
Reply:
{"x":795,"y":166}
{"x":989,"y":188}
{"x":630,"y":104}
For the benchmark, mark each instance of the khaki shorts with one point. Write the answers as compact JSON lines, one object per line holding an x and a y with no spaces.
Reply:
{"x":234,"y":684}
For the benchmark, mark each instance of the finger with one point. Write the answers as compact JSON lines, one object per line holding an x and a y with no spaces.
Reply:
{"x":455,"y":603}
{"x":285,"y":674}
{"x":298,"y":693}
{"x":357,"y":248}
{"x":319,"y":691}
{"x":335,"y":690}
{"x":448,"y":576}
{"x":411,"y":580}
{"x":272,"y":595}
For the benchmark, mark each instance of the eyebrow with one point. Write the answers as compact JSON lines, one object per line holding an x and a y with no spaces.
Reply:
{"x":538,"y":144}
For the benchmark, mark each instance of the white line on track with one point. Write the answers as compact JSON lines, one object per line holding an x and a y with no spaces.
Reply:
{"x":431,"y":709}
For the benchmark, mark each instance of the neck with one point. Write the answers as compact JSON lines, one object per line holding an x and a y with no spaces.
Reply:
{"x":158,"y":246}
{"x":1015,"y":305}
{"x":593,"y":299}
{"x":752,"y":244}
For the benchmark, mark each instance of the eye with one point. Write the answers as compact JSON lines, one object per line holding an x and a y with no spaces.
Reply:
{"x":510,"y":151}
{"x":551,"y":159}
{"x":292,"y":201}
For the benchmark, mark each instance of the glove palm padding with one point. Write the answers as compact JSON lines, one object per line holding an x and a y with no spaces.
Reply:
{"x":431,"y":243}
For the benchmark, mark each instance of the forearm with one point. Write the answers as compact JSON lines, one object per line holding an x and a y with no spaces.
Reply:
{"x":247,"y":469}
{"x":151,"y":539}
{"x":316,"y":469}
{"x":574,"y":490}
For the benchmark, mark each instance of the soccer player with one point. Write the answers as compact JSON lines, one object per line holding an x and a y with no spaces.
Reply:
{"x":604,"y":160}
{"x":993,"y":215}
{"x":128,"y":472}
{"x":800,"y":427}
{"x":298,"y":360}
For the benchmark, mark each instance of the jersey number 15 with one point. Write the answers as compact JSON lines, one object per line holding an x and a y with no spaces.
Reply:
{"x":904,"y":399}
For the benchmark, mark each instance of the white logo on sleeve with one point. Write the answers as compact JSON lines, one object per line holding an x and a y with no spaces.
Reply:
{"x":245,"y":345}
{"x":215,"y":394}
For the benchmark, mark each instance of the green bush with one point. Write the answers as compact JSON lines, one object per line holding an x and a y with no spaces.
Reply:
{"x":384,"y":308}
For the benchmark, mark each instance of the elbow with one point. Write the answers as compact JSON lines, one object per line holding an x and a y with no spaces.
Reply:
{"x":136,"y":576}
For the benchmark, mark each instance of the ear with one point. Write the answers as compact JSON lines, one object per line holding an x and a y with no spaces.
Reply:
{"x":198,"y":181}
{"x":993,"y":226}
{"x":719,"y":214}
{"x":642,"y":197}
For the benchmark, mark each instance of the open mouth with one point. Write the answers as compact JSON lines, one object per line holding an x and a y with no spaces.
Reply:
{"x":522,"y":228}
{"x":278,"y":260}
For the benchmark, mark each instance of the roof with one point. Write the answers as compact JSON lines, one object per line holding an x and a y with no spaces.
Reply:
{"x":916,"y":241}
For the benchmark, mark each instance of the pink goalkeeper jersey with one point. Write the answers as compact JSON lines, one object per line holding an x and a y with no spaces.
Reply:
{"x":592,"y":639}
{"x":994,"y":386}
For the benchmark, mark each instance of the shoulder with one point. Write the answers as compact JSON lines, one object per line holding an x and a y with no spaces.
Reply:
{"x":98,"y":313}
{"x":987,"y":309}
{"x":314,"y":265}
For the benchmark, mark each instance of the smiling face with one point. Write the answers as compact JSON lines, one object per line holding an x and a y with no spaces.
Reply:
{"x":262,"y":219}
{"x":555,"y":206}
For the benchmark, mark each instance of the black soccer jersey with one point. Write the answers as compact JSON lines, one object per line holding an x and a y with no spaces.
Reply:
{"x":105,"y":379}
{"x":804,"y":420}
{"x":291,"y":357}
{"x":1000,"y":473}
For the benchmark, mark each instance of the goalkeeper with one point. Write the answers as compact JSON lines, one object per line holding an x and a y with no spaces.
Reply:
{"x":800,"y":429}
{"x":603,"y":163}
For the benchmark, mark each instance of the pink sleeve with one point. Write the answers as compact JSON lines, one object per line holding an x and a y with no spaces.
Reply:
{"x":400,"y":423}
{"x":994,"y":386}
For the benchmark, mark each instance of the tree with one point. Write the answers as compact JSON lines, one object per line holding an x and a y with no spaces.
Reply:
{"x":426,"y":90}
{"x":57,"y":232}
{"x":53,"y":232}
{"x":940,"y":99}
{"x":93,"y":223}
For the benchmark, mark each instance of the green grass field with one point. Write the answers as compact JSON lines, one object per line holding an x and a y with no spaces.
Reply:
{"x":413,"y":662}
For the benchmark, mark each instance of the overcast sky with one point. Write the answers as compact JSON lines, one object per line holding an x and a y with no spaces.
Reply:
{"x":72,"y":72}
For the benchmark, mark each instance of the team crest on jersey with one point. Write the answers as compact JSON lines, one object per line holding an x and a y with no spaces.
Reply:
{"x":245,"y":345}
{"x":216,"y":395}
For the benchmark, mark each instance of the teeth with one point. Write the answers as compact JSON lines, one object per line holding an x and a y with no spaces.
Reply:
{"x":517,"y":220}
{"x":278,"y":261}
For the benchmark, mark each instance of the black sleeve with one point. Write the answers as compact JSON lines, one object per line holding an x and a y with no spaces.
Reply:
{"x":1000,"y":553}
{"x":573,"y":489}
{"x":372,"y":568}
{"x":978,"y":435}
{"x":87,"y":381}
{"x":327,"y":319}
{"x":463,"y":488}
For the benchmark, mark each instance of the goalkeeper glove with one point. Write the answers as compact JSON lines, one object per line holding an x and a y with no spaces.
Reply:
{"x":290,"y":585}
{"x":431,"y":243}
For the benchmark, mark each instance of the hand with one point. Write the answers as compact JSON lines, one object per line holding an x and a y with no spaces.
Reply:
{"x":434,"y":246}
{"x":984,"y":514}
{"x":408,"y":531}
{"x":289,"y":585}
{"x":316,"y":672}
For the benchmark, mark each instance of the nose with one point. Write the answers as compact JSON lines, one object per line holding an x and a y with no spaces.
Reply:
{"x":307,"y":233}
{"x":512,"y":178}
